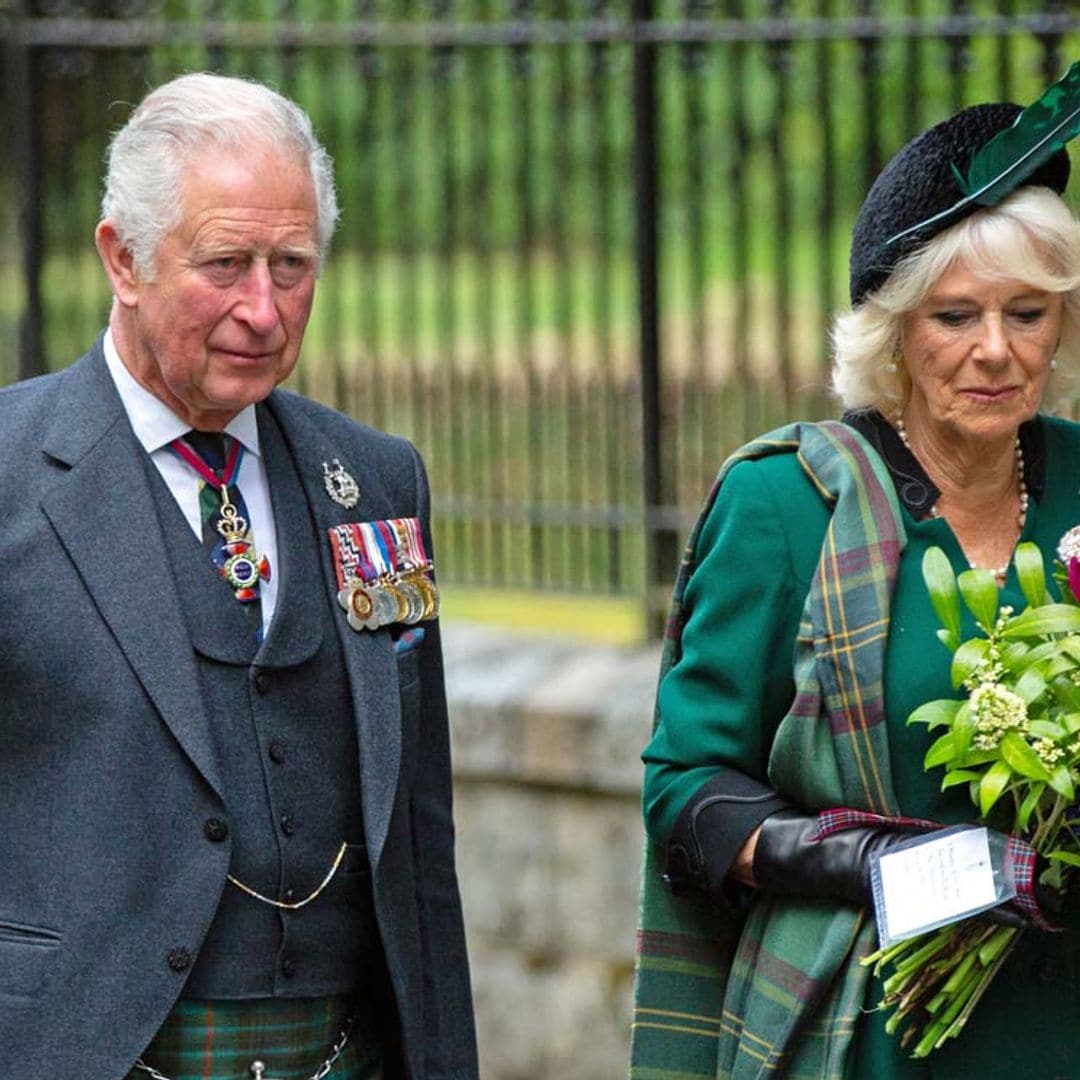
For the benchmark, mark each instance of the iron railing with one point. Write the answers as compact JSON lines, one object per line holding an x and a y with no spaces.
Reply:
{"x":589,"y":246}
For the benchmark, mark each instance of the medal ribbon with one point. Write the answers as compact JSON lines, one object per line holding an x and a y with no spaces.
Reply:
{"x":376,"y":547}
{"x":235,"y":456}
{"x":416,"y":543}
{"x":351,"y":557}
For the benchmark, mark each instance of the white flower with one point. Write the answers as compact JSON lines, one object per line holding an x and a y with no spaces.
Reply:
{"x":997,"y":710}
{"x":1069,"y":545}
{"x":1049,"y":753}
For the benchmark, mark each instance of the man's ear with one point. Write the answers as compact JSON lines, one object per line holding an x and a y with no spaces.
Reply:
{"x":119,"y":264}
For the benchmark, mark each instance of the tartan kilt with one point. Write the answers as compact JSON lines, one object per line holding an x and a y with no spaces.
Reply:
{"x":218,"y":1040}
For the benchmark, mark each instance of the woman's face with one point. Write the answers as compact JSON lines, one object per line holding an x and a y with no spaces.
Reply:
{"x":978,"y":355}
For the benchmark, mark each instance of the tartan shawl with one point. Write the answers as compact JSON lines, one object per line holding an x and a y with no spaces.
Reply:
{"x":778,"y":992}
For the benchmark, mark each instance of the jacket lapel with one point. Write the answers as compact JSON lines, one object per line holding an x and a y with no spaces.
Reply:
{"x":370,"y":662}
{"x":102,"y":496}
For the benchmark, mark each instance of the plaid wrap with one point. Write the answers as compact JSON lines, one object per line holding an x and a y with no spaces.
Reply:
{"x":218,"y":1040}
{"x":782,"y":991}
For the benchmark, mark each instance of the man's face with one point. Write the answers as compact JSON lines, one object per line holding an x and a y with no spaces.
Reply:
{"x":220,"y":324}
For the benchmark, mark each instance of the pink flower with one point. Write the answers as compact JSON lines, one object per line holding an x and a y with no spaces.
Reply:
{"x":1074,"y":577}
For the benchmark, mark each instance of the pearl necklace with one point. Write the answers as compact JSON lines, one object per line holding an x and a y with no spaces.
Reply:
{"x":1021,"y":518}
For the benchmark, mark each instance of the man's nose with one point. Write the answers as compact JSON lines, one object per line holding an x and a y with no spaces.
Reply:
{"x":257,"y":306}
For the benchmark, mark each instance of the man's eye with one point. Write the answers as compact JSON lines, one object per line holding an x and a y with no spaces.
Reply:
{"x":289,"y":269}
{"x":225,"y":262}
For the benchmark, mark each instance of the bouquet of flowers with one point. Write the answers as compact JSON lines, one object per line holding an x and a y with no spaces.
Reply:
{"x":1014,"y":742}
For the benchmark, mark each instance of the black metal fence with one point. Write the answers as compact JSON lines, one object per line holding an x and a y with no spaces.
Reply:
{"x":589,"y":246}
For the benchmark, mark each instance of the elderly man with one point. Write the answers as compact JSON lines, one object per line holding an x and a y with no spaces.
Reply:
{"x":227,"y":846}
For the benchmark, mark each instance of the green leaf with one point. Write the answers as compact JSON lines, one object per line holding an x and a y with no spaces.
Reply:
{"x":1061,"y":781}
{"x":1070,"y":646}
{"x":941,"y":584}
{"x":1048,"y":619}
{"x":1071,"y":722}
{"x":1031,"y":573}
{"x":1047,"y":729}
{"x":947,"y":638}
{"x":936,"y":713}
{"x":1021,"y":758}
{"x":959,"y":776}
{"x":1036,"y":654}
{"x":980,"y":593}
{"x":941,"y":751}
{"x":993,"y":784}
{"x":1067,"y":693}
{"x":978,"y":757}
{"x":1069,"y":857}
{"x":1031,"y":685}
{"x":1016,"y":655}
{"x":1027,"y":807}
{"x":1058,"y":665}
{"x":967,"y":658}
{"x":963,"y":729}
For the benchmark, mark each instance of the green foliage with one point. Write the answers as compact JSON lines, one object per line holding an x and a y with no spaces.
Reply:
{"x":1013,"y":743}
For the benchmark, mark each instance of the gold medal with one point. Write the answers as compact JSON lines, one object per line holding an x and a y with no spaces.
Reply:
{"x":428,"y":592}
{"x":414,"y":598}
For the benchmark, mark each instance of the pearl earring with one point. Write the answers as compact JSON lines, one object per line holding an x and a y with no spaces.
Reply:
{"x":1053,"y":365}
{"x":890,"y":367}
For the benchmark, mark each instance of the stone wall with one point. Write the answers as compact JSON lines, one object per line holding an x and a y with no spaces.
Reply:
{"x":546,"y":739}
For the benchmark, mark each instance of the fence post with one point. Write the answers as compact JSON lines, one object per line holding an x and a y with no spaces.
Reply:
{"x":660,"y":542}
{"x":24,"y":137}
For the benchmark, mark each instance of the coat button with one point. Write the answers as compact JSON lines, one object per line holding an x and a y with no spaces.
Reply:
{"x":260,"y":682}
{"x":289,"y":896}
{"x":277,"y":752}
{"x":178,"y":959}
{"x":215,"y":829}
{"x":288,"y":825}
{"x":288,"y":967}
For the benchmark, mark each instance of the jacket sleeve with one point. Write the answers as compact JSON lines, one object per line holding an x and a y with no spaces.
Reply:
{"x":720,"y":704}
{"x":450,"y":1041}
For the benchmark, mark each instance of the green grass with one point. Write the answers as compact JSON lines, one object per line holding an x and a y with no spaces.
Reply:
{"x":606,"y":619}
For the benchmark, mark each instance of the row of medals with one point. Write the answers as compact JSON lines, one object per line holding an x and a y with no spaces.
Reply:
{"x":409,"y":597}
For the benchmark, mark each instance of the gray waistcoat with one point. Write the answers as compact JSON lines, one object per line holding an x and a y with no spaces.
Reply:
{"x":286,"y":741}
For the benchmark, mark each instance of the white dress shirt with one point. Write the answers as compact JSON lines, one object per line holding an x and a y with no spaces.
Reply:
{"x":156,"y":425}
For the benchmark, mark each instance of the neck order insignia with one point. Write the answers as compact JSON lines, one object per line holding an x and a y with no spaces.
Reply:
{"x":340,"y":485}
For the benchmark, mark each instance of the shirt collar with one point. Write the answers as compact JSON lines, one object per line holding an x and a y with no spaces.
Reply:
{"x":154,"y":423}
{"x":913,"y":487}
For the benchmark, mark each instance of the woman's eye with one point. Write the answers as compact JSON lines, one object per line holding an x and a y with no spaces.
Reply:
{"x":1029,"y":315}
{"x":952,"y":318}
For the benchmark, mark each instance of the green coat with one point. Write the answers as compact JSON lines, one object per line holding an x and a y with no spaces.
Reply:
{"x":722,"y":701}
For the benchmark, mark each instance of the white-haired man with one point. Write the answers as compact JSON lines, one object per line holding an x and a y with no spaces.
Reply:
{"x":227,"y":846}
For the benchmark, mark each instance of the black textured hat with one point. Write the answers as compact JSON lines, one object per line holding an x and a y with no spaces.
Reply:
{"x":920,"y":183}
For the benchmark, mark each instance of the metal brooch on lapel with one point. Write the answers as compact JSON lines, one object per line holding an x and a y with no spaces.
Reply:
{"x":340,"y":485}
{"x":383,"y":573}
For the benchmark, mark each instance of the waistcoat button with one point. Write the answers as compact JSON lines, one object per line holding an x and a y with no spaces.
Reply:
{"x":215,"y":829}
{"x":260,"y":682}
{"x":178,"y":959}
{"x":277,"y":752}
{"x":288,"y":825}
{"x":288,"y":968}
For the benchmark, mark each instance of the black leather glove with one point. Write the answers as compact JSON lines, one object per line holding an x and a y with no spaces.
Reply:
{"x":792,"y":857}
